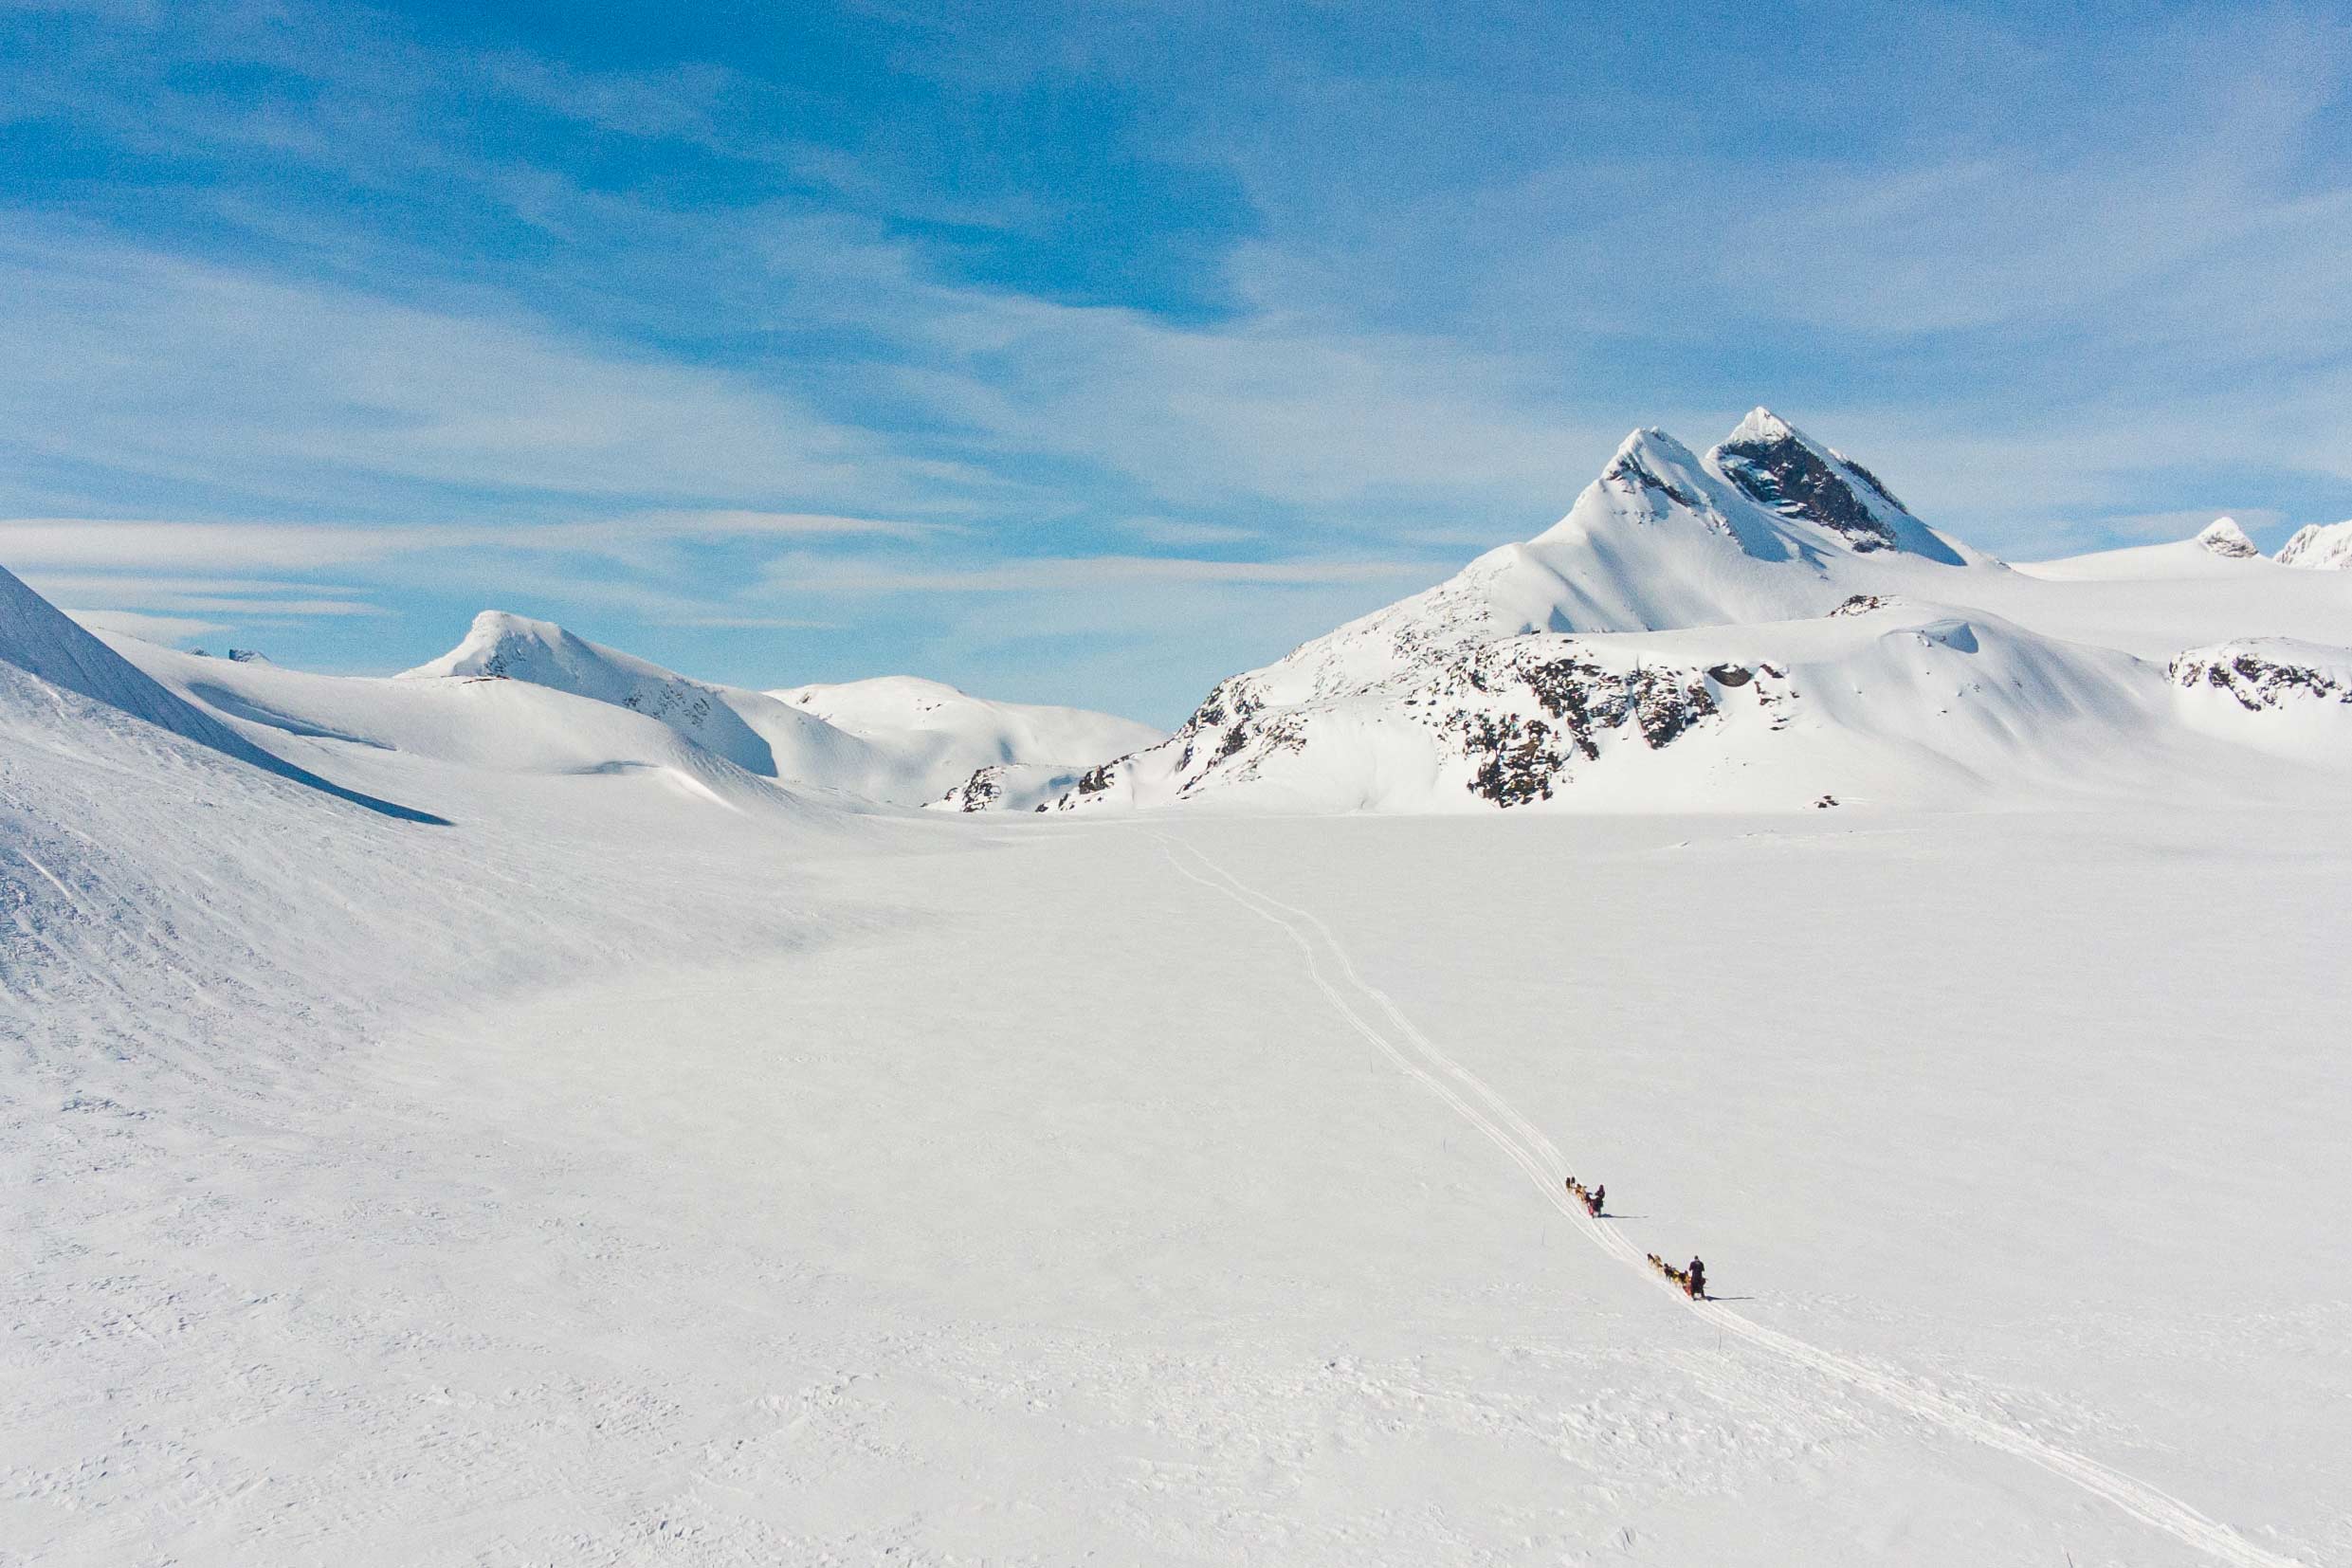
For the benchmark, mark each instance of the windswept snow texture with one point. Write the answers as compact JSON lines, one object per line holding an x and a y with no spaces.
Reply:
{"x":1763,"y":627}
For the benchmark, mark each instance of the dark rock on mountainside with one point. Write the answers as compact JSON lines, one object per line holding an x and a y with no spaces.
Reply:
{"x":2261,"y":674}
{"x":1779,"y":471}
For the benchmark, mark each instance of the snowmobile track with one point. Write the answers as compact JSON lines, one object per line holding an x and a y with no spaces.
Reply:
{"x":1421,"y":1059}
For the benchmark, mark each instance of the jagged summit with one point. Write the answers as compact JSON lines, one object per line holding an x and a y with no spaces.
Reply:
{"x":1779,"y":469}
{"x":1761,"y":424}
{"x":1531,"y":666}
{"x":1652,"y":470}
{"x":1767,"y":488}
{"x":2224,"y":538}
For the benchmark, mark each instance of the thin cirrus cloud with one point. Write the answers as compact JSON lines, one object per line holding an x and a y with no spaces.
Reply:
{"x":1186,"y":533}
{"x":303,"y":382}
{"x":834,"y":575}
{"x":153,"y":629}
{"x":37,"y":542}
{"x":256,"y":607}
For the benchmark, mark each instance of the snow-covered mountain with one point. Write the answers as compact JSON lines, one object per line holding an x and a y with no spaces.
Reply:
{"x":2320,"y":548}
{"x":894,"y":740}
{"x":502,"y":647}
{"x":946,"y":735}
{"x":2224,"y":538}
{"x":1763,"y":627}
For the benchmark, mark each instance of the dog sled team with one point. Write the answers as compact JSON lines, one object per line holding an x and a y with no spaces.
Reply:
{"x":1591,"y":1200}
{"x":1692,"y":1280}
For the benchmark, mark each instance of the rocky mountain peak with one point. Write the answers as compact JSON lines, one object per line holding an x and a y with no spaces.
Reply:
{"x":1777,"y":467}
{"x":2320,"y":548}
{"x":1761,"y":426}
{"x":2224,"y":538}
{"x":1653,"y":468}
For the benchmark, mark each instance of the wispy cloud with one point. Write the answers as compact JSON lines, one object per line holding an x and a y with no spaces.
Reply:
{"x":1183,"y":532}
{"x":155,"y":629}
{"x":32,"y":544}
{"x":830,"y":576}
{"x":306,"y":381}
{"x":37,"y":542}
{"x":752,"y":623}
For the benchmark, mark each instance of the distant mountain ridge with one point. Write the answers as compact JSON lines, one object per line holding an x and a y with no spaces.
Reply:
{"x":1764,"y":626}
{"x":894,"y":738}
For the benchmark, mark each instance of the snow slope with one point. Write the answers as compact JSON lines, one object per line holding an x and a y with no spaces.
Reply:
{"x":754,"y":733}
{"x":40,"y":641}
{"x":443,"y":737}
{"x":1684,"y":639}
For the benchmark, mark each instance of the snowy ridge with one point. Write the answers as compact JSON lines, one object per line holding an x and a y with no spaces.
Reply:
{"x":2318,"y":547}
{"x":1888,"y":699}
{"x":42,"y":641}
{"x":503,"y":647}
{"x":468,"y":729}
{"x":895,"y":741}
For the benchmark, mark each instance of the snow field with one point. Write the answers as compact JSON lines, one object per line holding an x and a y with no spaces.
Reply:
{"x":1035,"y":1199}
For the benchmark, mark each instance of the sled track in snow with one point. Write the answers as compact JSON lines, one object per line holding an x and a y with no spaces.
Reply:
{"x":1421,"y":1059}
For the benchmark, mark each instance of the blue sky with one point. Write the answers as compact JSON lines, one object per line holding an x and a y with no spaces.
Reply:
{"x":1091,"y":352}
